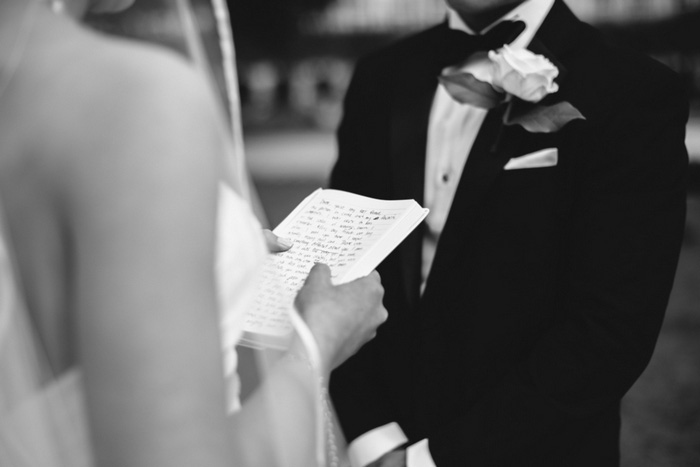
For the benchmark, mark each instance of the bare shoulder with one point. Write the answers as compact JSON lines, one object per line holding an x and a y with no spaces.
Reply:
{"x":140,"y":74}
{"x":123,"y":109}
{"x":119,"y":80}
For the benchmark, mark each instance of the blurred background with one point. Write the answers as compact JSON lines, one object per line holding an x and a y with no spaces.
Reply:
{"x":295,"y":58}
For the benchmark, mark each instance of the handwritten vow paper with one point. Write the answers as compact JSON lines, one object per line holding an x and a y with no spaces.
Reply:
{"x":350,"y":233}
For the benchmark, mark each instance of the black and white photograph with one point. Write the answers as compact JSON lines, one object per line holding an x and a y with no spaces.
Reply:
{"x":350,"y":233}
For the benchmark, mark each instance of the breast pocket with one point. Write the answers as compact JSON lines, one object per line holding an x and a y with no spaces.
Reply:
{"x":548,"y":157}
{"x":530,"y":182}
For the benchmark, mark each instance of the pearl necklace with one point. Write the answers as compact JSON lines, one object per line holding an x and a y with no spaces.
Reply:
{"x":16,"y":53}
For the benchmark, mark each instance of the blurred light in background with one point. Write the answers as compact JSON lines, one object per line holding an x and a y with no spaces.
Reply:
{"x":296,"y":58}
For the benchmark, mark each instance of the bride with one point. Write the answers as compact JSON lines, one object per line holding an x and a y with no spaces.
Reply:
{"x":111,"y":154}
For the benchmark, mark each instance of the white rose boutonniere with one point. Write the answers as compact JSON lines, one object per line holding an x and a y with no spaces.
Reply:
{"x":511,"y":75}
{"x":523,"y":74}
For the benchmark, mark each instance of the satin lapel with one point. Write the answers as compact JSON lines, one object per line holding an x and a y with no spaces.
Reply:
{"x":554,"y":38}
{"x":493,"y":147}
{"x":412,"y":99}
{"x":411,"y":105}
{"x":409,"y":132}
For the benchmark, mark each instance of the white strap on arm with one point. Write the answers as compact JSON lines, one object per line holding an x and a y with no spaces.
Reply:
{"x":375,"y":443}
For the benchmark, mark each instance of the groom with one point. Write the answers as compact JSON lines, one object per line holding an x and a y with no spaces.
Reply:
{"x":531,"y":299}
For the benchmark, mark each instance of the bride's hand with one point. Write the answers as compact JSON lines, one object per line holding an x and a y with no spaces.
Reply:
{"x":343,"y":317}
{"x":274,"y":243}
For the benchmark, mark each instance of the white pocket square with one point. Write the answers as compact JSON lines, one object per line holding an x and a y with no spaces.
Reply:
{"x":543,"y":158}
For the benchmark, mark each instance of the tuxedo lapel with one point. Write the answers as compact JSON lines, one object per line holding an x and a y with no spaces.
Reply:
{"x":412,"y":100}
{"x":494,"y":146}
{"x":411,"y":104}
{"x":409,"y":127}
{"x":409,"y":132}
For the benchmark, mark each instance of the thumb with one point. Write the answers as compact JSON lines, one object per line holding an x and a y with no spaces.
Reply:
{"x":320,"y":273}
{"x":274,"y":243}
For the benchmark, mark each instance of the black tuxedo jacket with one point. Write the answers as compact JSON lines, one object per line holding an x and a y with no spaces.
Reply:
{"x":549,"y":285}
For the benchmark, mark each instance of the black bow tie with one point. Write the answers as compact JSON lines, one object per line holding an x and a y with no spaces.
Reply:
{"x":457,"y":46}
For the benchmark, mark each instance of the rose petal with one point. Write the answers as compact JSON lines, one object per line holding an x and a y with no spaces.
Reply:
{"x":527,"y":62}
{"x":535,"y":87}
{"x":523,"y":74}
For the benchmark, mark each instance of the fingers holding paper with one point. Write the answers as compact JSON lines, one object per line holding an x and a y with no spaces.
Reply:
{"x":276,"y":244}
{"x":341,"y":317}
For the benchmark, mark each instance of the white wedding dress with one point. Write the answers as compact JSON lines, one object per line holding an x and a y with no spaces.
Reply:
{"x":42,"y":417}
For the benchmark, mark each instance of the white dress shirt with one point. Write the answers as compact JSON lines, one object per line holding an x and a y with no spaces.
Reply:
{"x":452,"y":129}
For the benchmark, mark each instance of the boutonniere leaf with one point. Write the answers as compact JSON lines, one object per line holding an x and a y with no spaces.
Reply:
{"x":466,"y":89}
{"x":545,"y":119}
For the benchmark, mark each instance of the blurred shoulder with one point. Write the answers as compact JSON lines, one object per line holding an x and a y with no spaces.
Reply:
{"x":636,"y":110}
{"x":124,"y":73}
{"x":625,"y":74}
{"x":118,"y":93}
{"x":117,"y":110}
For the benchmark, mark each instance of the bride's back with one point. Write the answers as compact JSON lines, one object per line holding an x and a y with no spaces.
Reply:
{"x":109,"y":168}
{"x":75,"y":100}
{"x":45,"y":109}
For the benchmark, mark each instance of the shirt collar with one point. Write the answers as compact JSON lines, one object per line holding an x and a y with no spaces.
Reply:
{"x":531,"y":12}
